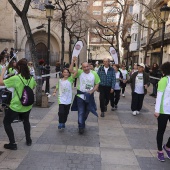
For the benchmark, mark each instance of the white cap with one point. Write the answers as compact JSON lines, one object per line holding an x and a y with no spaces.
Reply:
{"x":142,"y":65}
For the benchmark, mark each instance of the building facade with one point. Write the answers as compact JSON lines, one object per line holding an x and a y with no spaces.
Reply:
{"x":146,"y":33}
{"x":126,"y":31}
{"x":103,"y":12}
{"x":13,"y":33}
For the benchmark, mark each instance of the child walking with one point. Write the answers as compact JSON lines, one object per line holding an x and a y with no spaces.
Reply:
{"x":64,"y":87}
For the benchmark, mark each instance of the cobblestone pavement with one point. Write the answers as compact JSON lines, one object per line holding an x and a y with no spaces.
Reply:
{"x":119,"y":141}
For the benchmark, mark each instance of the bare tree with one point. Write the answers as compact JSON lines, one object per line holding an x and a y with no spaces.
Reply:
{"x":108,"y":29}
{"x":23,"y":16}
{"x":153,"y":25}
{"x":64,"y":7}
{"x":76,"y":25}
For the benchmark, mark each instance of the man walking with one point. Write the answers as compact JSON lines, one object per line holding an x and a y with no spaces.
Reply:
{"x":107,"y":84}
{"x":88,"y":82}
{"x":139,"y":84}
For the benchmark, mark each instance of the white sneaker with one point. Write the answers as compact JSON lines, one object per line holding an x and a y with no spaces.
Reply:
{"x":134,"y":113}
{"x":123,"y":95}
{"x":137,"y":112}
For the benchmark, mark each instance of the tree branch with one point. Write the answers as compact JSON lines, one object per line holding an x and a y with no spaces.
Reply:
{"x":15,"y":8}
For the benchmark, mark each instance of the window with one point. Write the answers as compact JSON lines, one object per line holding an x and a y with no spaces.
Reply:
{"x":109,"y":19}
{"x":96,"y":12}
{"x":136,"y":17}
{"x":130,"y":9}
{"x":97,"y":3}
{"x":95,"y":30}
{"x":95,"y":48}
{"x":108,"y":2}
{"x":95,"y":39}
{"x":109,"y":9}
{"x":129,"y":30}
{"x":109,"y":38}
{"x":134,"y":37}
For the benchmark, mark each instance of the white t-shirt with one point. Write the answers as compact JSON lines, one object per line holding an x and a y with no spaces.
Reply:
{"x":162,"y":105}
{"x":96,"y":69}
{"x":65,"y":91}
{"x":117,"y":85}
{"x":139,"y":84}
{"x":106,"y":69}
{"x":124,"y":73}
{"x":87,"y":82}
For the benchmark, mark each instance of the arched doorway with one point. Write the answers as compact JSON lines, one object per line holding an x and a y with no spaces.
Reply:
{"x":40,"y":39}
{"x":41,"y":51}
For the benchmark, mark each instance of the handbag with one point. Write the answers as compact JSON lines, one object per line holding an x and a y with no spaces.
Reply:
{"x":6,"y":97}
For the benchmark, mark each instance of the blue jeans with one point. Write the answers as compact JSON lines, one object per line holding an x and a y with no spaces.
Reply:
{"x":82,"y":112}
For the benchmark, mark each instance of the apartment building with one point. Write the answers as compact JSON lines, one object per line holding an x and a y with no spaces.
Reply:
{"x":13,"y":33}
{"x":151,"y":35}
{"x":103,"y":12}
{"x":135,"y":32}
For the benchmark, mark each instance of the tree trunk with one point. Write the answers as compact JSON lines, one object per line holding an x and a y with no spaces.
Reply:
{"x":118,"y":53}
{"x":70,"y":37}
{"x":62,"y":39}
{"x":147,"y":45}
{"x":34,"y":59}
{"x":146,"y":53}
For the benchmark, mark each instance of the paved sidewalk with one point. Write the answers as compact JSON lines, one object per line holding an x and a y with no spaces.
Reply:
{"x":119,"y":141}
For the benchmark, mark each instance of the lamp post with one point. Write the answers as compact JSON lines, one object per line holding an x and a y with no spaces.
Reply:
{"x":128,"y":39}
{"x":165,"y":10}
{"x":49,"y":14}
{"x":88,"y":54}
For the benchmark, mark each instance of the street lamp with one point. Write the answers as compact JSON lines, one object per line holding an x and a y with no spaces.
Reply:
{"x":165,"y":10}
{"x":128,"y":40}
{"x":49,"y":14}
{"x":88,"y":54}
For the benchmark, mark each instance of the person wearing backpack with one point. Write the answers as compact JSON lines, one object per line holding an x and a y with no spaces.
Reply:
{"x":21,"y":103}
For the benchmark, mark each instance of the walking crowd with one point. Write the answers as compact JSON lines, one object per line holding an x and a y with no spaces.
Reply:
{"x":109,"y":79}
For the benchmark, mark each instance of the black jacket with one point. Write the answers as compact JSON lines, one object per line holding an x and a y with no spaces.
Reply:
{"x":133,"y":79}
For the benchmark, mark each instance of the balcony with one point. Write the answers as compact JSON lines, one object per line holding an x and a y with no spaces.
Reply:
{"x":158,"y":38}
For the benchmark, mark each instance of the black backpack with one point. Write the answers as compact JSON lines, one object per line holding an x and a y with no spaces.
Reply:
{"x":27,"y":97}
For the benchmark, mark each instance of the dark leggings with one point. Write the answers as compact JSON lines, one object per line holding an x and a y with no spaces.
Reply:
{"x":162,"y":123}
{"x":10,"y":116}
{"x":75,"y":82}
{"x":63,"y":112}
{"x":123,"y":87}
{"x":114,"y":97}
